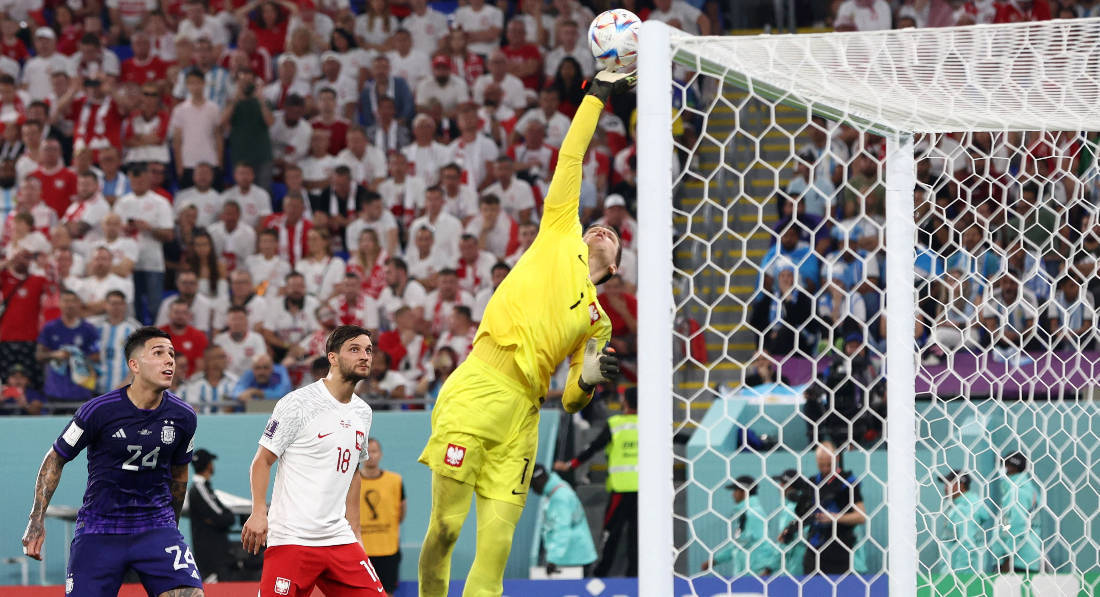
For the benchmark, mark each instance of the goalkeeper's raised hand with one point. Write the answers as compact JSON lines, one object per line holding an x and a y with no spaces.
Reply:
{"x":599,"y":366}
{"x":606,"y":83}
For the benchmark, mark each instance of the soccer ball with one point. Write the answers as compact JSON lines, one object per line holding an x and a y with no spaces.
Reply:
{"x":613,"y":39}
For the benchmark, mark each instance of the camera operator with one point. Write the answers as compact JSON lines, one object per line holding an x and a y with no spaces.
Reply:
{"x":831,"y":536}
{"x":848,"y":402}
{"x":798,"y":502}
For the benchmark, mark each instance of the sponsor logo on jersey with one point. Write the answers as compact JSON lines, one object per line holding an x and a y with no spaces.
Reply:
{"x":167,"y":434}
{"x":120,"y":434}
{"x":593,"y":313}
{"x":282,"y":585}
{"x":455,"y":455}
{"x":345,"y":424}
{"x":269,"y":431}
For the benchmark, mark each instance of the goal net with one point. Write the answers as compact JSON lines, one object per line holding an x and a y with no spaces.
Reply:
{"x":884,"y":349}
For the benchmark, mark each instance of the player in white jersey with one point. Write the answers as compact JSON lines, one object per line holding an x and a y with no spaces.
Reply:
{"x":114,"y":327}
{"x":312,"y":528}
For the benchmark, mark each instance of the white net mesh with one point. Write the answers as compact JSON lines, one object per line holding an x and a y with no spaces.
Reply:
{"x":779,"y":289}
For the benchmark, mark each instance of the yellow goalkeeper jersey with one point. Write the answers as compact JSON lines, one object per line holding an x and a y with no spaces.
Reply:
{"x":546,"y":308}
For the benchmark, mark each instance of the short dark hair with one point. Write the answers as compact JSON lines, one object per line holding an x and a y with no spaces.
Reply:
{"x":237,"y":309}
{"x":398,"y":263}
{"x":342,"y":334}
{"x":319,"y":367}
{"x":270,"y":232}
{"x":138,"y":168}
{"x":342,"y":170}
{"x":501,"y":265}
{"x":631,"y":396}
{"x":6,"y":79}
{"x":294,"y":100}
{"x":489,"y":199}
{"x":243,"y":164}
{"x":464,"y":311}
{"x":65,"y":291}
{"x":194,"y":73}
{"x":370,"y":196}
{"x":619,"y":253}
{"x":117,"y":293}
{"x":140,"y":336}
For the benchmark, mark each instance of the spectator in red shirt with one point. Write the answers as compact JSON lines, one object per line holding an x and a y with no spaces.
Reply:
{"x":524,"y":58}
{"x":186,"y":338}
{"x":70,"y":27}
{"x":622,"y":311}
{"x":269,"y":23}
{"x":1019,"y":11}
{"x":10,"y":44}
{"x":22,"y":295}
{"x":464,"y":63}
{"x":12,"y":110}
{"x":259,"y":59}
{"x":144,"y":66}
{"x":58,"y":182}
{"x":96,"y":114}
{"x":330,"y":121}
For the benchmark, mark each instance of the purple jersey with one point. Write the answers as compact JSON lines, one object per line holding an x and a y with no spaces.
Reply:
{"x":131,"y":453}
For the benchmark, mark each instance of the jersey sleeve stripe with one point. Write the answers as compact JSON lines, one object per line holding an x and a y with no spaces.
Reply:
{"x":89,"y":408}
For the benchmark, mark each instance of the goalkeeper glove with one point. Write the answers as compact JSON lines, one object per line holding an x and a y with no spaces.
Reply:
{"x":606,"y":83}
{"x":599,"y":366}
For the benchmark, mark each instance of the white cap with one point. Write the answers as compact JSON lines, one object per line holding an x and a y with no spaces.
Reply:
{"x":329,"y":55}
{"x":614,"y":200}
{"x":45,"y":32}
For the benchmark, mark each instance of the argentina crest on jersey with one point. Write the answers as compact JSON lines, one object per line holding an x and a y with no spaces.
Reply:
{"x":168,"y":434}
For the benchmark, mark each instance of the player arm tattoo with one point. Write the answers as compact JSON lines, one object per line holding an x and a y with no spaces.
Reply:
{"x":49,"y":474}
{"x":178,"y":487}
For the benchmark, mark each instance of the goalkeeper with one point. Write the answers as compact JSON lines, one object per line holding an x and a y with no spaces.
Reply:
{"x":485,"y":423}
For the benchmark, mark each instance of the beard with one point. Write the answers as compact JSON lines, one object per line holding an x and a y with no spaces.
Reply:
{"x":347,"y":371}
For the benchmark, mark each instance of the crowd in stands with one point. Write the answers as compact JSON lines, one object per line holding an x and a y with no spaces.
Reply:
{"x":1007,"y":242}
{"x":248,"y":175}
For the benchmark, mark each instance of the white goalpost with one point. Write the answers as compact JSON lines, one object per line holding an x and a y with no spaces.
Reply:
{"x":925,"y":173}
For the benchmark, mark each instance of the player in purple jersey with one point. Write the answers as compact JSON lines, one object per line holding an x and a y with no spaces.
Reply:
{"x":139,"y":441}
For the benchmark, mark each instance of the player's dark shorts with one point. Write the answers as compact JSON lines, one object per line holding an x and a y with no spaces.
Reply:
{"x":161,"y":558}
{"x":387,"y":568}
{"x":338,"y":570}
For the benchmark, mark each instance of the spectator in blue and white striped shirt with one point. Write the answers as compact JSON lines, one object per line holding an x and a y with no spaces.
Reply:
{"x":217,"y":80}
{"x":214,"y":384}
{"x":114,"y":327}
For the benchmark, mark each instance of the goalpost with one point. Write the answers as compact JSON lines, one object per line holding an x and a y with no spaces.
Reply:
{"x":968,"y":157}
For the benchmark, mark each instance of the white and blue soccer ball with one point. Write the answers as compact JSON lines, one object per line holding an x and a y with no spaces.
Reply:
{"x":613,"y":39}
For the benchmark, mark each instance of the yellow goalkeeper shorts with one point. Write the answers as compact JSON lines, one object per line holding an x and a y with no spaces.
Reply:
{"x":485,"y":432}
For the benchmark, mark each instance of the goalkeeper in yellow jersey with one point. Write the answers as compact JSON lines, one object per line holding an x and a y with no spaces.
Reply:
{"x":485,"y":423}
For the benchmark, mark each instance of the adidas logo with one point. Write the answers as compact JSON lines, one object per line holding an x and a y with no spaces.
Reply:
{"x":120,"y":434}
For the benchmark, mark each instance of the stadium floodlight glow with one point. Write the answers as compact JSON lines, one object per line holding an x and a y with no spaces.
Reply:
{"x":935,"y":136}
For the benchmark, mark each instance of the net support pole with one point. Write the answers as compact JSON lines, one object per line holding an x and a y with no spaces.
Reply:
{"x":655,"y":312}
{"x":901,"y":422}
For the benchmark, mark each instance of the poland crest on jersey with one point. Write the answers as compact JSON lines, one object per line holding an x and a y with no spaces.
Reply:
{"x":168,"y":434}
{"x":282,"y":586}
{"x":455,"y":455}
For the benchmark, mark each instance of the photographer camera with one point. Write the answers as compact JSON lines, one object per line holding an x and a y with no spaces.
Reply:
{"x":798,"y":505}
{"x":837,"y":511}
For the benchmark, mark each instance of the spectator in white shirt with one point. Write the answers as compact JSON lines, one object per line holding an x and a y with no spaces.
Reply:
{"x":446,"y":229}
{"x":483,"y":24}
{"x":124,"y":250}
{"x":89,"y":209}
{"x":515,"y":95}
{"x":681,"y":15}
{"x":285,"y":84}
{"x":240,"y":343}
{"x":197,"y":24}
{"x":568,"y":42}
{"x":196,"y":130}
{"x":366,"y":162}
{"x":474,"y":151}
{"x":213,"y":384}
{"x":440,"y":304}
{"x":374,"y":216}
{"x":527,"y":234}
{"x":401,"y":291}
{"x":425,"y":154}
{"x":290,"y":319}
{"x":475,"y":266}
{"x":316,"y":24}
{"x":495,"y":230}
{"x":426,"y":25}
{"x":443,"y":86}
{"x":318,"y":165}
{"x":201,"y":306}
{"x":291,"y":133}
{"x":255,"y":203}
{"x":149,"y":217}
{"x":267,"y":265}
{"x":93,"y":288}
{"x":425,"y":259}
{"x":406,"y":61}
{"x":481,"y":299}
{"x":38,"y":70}
{"x":863,"y":15}
{"x":516,"y":196}
{"x":233,"y":241}
{"x":554,"y":122}
{"x":203,"y":196}
{"x":459,"y":200}
{"x":345,"y":86}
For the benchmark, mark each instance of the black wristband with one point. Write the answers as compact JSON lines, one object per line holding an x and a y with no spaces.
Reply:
{"x":587,"y":389}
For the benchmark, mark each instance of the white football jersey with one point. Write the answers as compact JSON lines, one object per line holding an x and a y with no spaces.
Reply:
{"x":320,"y":442}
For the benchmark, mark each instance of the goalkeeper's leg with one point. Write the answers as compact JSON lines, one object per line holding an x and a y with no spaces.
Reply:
{"x":496,"y":524}
{"x":450,"y":504}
